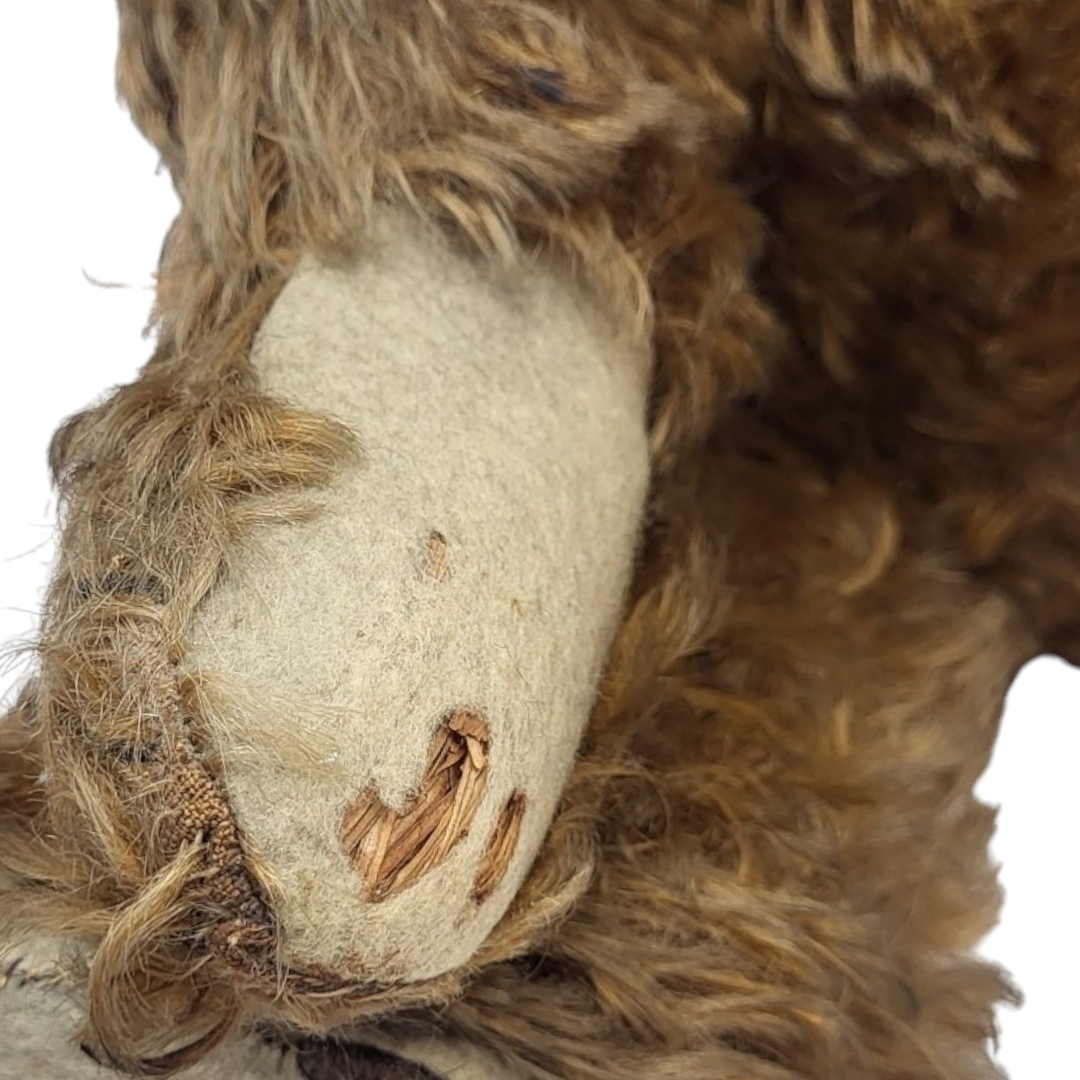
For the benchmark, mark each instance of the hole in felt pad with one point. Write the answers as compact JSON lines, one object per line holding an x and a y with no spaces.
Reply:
{"x":436,"y":559}
{"x":392,"y":849}
{"x":500,"y":848}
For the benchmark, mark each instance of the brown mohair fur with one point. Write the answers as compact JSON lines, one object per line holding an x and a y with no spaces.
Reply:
{"x":851,"y":228}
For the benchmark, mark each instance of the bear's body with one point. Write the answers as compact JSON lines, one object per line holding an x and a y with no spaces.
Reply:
{"x":847,"y":231}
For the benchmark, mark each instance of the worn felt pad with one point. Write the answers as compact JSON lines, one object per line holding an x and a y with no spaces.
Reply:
{"x":404,"y":677}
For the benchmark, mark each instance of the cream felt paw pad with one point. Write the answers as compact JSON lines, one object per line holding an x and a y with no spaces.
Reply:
{"x":432,"y":638}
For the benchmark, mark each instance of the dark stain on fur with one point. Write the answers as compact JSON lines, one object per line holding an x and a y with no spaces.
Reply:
{"x":321,"y":1059}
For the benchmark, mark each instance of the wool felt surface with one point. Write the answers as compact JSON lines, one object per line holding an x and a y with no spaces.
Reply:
{"x":474,"y":560}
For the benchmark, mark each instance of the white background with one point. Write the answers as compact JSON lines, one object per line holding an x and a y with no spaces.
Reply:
{"x":80,"y":199}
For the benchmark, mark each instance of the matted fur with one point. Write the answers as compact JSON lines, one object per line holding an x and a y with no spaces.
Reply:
{"x":852,"y":227}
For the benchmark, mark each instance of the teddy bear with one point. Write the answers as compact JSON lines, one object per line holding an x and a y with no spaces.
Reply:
{"x":543,"y":607}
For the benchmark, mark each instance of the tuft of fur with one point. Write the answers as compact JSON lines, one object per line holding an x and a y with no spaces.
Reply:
{"x":514,"y":124}
{"x":792,"y":865}
{"x":851,"y":227}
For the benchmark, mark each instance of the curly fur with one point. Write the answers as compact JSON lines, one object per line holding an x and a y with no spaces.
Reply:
{"x":851,"y":227}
